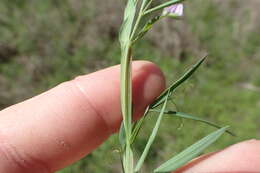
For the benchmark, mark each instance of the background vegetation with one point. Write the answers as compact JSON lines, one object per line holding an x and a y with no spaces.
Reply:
{"x":43,"y":43}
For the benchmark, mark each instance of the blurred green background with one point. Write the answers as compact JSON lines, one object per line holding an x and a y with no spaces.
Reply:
{"x":43,"y":43}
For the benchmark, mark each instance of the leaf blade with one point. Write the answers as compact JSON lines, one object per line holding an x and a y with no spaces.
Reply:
{"x":121,"y":136}
{"x":137,"y":127}
{"x":151,"y":138}
{"x":146,"y":28}
{"x":127,"y":26}
{"x":176,"y":84}
{"x":192,"y":117}
{"x":190,"y":153}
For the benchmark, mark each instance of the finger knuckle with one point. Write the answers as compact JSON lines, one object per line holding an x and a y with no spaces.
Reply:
{"x":21,"y":162}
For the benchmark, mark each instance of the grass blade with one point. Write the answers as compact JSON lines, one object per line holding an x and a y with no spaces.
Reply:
{"x":191,"y":152}
{"x":152,"y":137}
{"x":192,"y":117}
{"x":186,"y":76}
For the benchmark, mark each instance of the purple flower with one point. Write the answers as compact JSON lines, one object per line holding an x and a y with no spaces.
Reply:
{"x":175,"y":10}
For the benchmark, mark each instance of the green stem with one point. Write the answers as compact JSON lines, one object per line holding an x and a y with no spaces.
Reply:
{"x":126,"y":105}
{"x":126,"y":92}
{"x":136,"y":25}
{"x":138,"y":20}
{"x":148,"y":5}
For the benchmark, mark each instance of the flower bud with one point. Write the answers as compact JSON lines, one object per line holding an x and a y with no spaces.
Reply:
{"x":175,"y":10}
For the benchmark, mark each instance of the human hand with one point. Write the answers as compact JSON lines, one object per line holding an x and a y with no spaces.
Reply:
{"x":56,"y":128}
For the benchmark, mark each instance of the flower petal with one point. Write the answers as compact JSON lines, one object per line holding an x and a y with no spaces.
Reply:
{"x":175,"y":10}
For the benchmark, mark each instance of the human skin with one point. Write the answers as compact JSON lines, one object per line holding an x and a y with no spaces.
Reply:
{"x":56,"y":128}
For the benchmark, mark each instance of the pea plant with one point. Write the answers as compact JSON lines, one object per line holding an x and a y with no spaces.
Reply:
{"x":139,"y":18}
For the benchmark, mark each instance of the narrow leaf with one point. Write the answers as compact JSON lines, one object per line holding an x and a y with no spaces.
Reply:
{"x":121,"y":136}
{"x":159,"y":7}
{"x":191,"y":152}
{"x":186,"y":76}
{"x":147,"y":27}
{"x":192,"y":117}
{"x":152,"y":137}
{"x":127,"y":26}
{"x":137,"y":127}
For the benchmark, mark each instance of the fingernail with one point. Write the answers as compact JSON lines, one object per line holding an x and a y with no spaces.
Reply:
{"x":154,"y":85}
{"x":148,"y":83}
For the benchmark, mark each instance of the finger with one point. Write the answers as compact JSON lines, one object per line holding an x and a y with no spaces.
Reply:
{"x":52,"y":130}
{"x":243,"y":157}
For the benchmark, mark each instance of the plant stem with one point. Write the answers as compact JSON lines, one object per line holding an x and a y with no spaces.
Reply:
{"x":138,"y":20}
{"x":126,"y":105}
{"x":147,"y":5}
{"x":126,"y":92}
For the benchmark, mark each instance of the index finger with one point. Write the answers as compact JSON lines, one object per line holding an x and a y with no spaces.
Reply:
{"x":58,"y":127}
